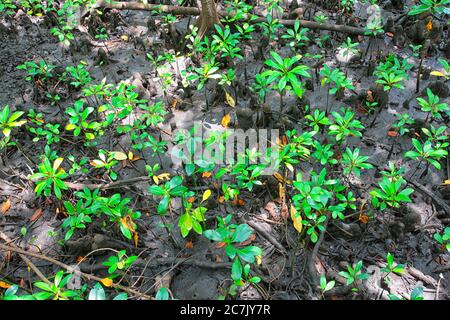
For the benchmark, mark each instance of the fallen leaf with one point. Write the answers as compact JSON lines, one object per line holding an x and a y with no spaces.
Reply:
{"x":319,"y":266}
{"x":429,"y":25}
{"x":206,"y":195}
{"x":281,"y":192}
{"x":363,"y":218}
{"x":221,"y":199}
{"x":297,"y":219}
{"x":226,"y":119}
{"x":369,"y":96}
{"x":107,"y":282}
{"x":229,"y":100}
{"x":189,"y":245}
{"x":120,"y":156}
{"x":258,"y":260}
{"x":191,"y":199}
{"x":392,"y":133}
{"x":136,"y":239}
{"x":272,"y":208}
{"x":36,"y":215}
{"x":206,"y":174}
{"x":437,"y":74}
{"x":4,"y":285}
{"x":390,"y":34}
{"x":4,"y":207}
{"x":218,"y":258}
{"x":446,"y":183}
{"x":124,"y":38}
{"x":79,"y":259}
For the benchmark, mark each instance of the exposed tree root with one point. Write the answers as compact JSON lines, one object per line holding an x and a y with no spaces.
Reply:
{"x":71,"y":269}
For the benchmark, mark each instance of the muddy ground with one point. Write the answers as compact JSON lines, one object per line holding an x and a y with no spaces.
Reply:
{"x":409,"y":234}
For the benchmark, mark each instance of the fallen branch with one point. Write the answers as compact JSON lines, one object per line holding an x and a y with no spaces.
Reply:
{"x":71,"y":269}
{"x":421,"y":276}
{"x":195,"y":12}
{"x":312,"y":259}
{"x":438,"y":201}
{"x":111,"y":185}
{"x":266,"y":235}
{"x":164,"y":261}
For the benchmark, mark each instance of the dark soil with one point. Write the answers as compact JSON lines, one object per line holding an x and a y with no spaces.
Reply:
{"x":407,"y":232}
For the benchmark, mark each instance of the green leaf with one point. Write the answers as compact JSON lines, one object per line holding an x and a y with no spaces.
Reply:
{"x":156,"y":190}
{"x":236,"y":270}
{"x":162,"y":294}
{"x":248,"y":253}
{"x":242,"y":232}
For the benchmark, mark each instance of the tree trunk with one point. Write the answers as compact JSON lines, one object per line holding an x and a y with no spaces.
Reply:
{"x":208,"y":17}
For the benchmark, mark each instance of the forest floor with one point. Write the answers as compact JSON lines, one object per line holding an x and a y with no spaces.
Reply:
{"x":193,"y":267}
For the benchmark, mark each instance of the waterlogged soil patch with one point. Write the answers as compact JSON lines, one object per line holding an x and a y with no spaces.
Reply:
{"x":239,"y":150}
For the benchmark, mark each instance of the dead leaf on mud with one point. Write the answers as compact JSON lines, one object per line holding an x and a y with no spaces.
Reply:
{"x":273,"y":210}
{"x":284,"y":211}
{"x":189,"y":245}
{"x":36,"y":215}
{"x":319,"y":266}
{"x":4,"y":207}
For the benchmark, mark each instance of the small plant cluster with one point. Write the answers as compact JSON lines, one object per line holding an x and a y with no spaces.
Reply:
{"x":318,"y":169}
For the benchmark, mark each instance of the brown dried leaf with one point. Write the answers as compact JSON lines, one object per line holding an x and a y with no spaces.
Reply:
{"x":4,"y":207}
{"x":36,"y":215}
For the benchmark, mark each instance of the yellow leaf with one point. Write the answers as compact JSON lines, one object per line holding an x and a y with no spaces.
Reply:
{"x":127,"y":222}
{"x":446,"y":183}
{"x":278,"y":177}
{"x":437,"y":74}
{"x":107,"y":282}
{"x":4,"y":207}
{"x":4,"y":285}
{"x":297,"y":219}
{"x":281,"y":191}
{"x":120,"y":156}
{"x":70,"y":127}
{"x":229,"y":99}
{"x":124,"y":38}
{"x":429,"y":25}
{"x":57,"y":163}
{"x":163,"y":176}
{"x":226,"y":120}
{"x":136,"y":239}
{"x":130,"y":155}
{"x":206,"y":195}
{"x":155,"y":179}
{"x":258,"y":260}
{"x":290,"y":167}
{"x":206,"y":174}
